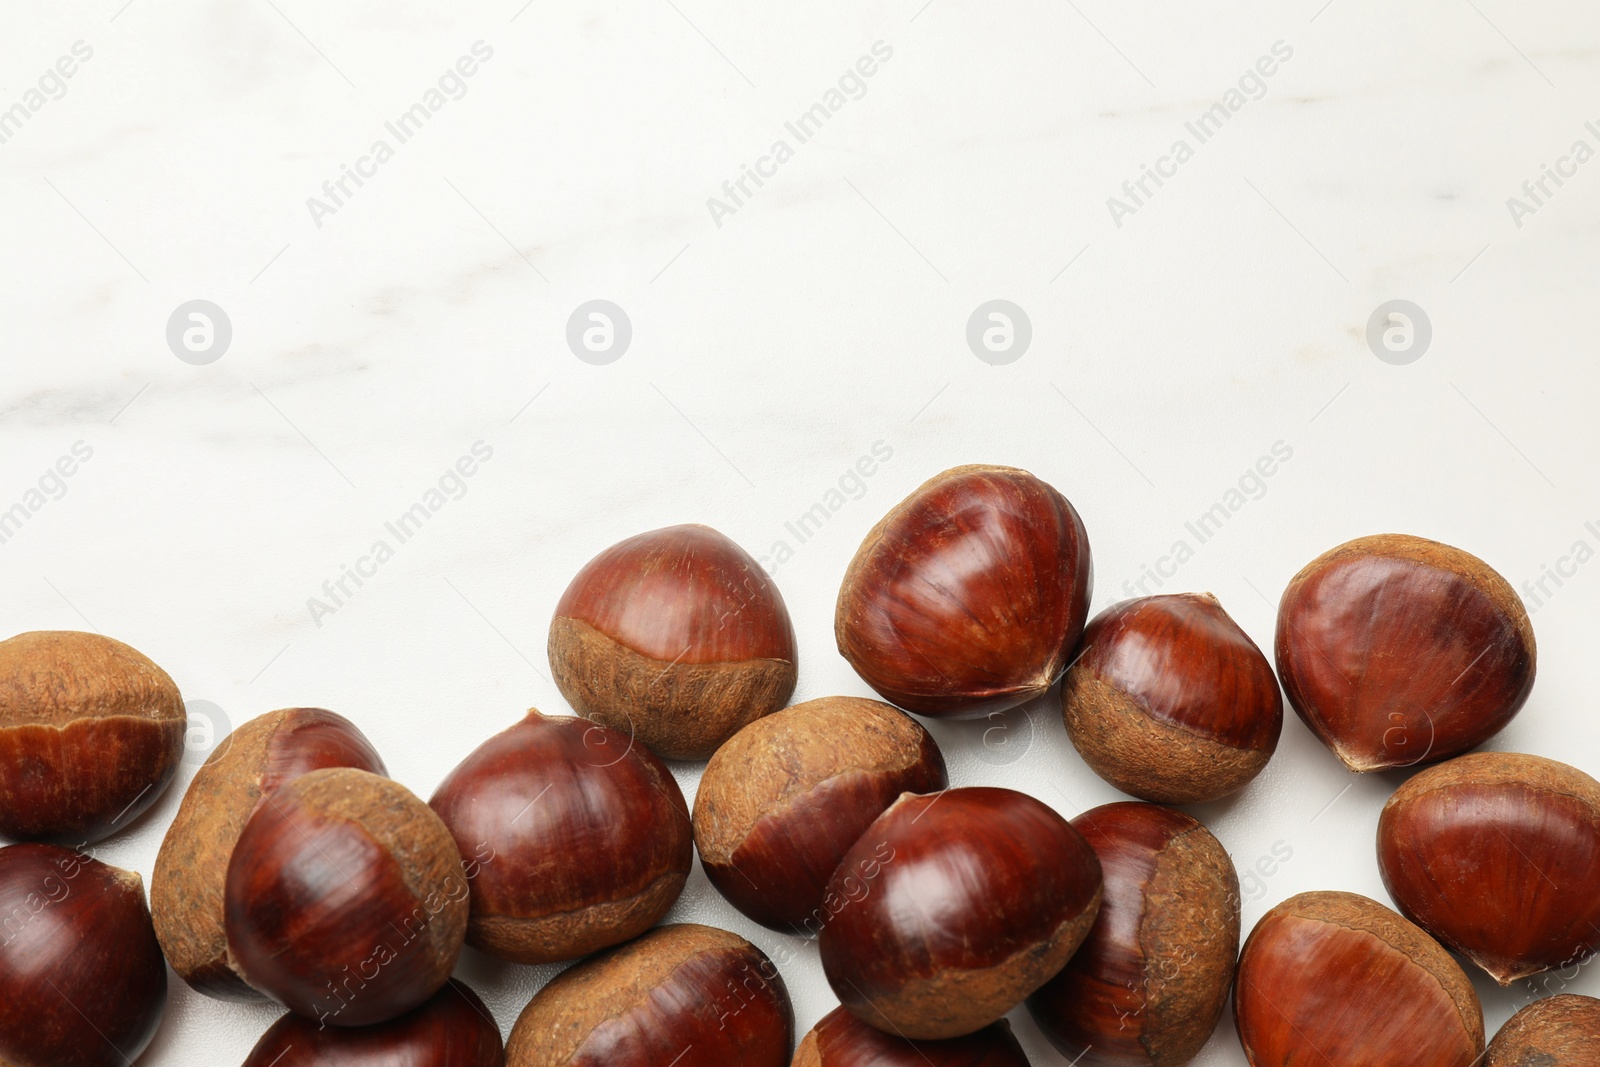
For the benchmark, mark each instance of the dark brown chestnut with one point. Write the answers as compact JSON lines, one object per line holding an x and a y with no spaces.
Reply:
{"x":1171,"y":701}
{"x":346,"y":900}
{"x":969,"y":596}
{"x":1561,"y":1031}
{"x":676,"y":638}
{"x":953,"y":907}
{"x":687,"y":995}
{"x":452,"y":1029}
{"x":1397,"y":651}
{"x":781,"y":803}
{"x":576,"y":838}
{"x":842,"y":1040}
{"x":186,"y":889}
{"x":1148,"y":986}
{"x":1498,"y":855}
{"x":91,"y":733}
{"x":1338,"y":979}
{"x":82,"y":982}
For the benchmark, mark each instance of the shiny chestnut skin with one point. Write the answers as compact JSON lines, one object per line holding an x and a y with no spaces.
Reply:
{"x":91,"y":732}
{"x":1169,"y":700}
{"x":186,"y":889}
{"x":576,"y":838}
{"x":782,"y":802}
{"x":1339,"y":980}
{"x":1560,"y":1031}
{"x":82,"y":982}
{"x":676,"y":638}
{"x":685,"y":995}
{"x":953,"y":907}
{"x":842,"y":1040}
{"x":969,"y":596}
{"x":452,"y":1029}
{"x":1149,"y":984}
{"x":346,"y":900}
{"x":1498,"y":856}
{"x":1397,"y":650}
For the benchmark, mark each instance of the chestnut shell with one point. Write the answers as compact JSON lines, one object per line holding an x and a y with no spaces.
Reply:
{"x":841,"y":1040}
{"x":1559,"y":1031}
{"x":969,"y":596}
{"x":452,"y":1029}
{"x":953,"y":907}
{"x":577,"y":838}
{"x":1397,"y":651}
{"x":1498,"y":856}
{"x":781,"y":803}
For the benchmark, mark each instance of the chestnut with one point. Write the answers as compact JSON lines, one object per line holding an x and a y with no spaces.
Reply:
{"x":82,"y":982}
{"x":781,"y":803}
{"x":842,"y":1040}
{"x":674,"y":637}
{"x":953,"y":907}
{"x":186,"y":889}
{"x":686,"y":995}
{"x":91,"y":733}
{"x":1498,"y":856}
{"x":969,"y":596}
{"x":1339,"y":979}
{"x":1171,"y":701}
{"x":1148,"y":985}
{"x":345,"y":898}
{"x":1397,"y":651}
{"x":1560,"y":1031}
{"x":576,"y":838}
{"x":451,"y":1029}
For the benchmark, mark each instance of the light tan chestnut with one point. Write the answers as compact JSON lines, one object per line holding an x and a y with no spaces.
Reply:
{"x":1561,"y":1031}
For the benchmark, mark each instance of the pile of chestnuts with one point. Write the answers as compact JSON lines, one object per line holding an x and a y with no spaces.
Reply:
{"x":297,"y":871}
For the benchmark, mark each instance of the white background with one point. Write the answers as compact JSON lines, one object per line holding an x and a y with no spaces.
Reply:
{"x":770,"y":353}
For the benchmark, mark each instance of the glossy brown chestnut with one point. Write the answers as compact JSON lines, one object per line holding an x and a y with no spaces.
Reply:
{"x":346,"y":900}
{"x":1339,"y":980}
{"x":1171,"y":701}
{"x":1148,"y":985}
{"x":781,"y":803}
{"x":91,"y":733}
{"x":969,"y":596}
{"x":689,"y":996}
{"x":1561,"y":1031}
{"x":186,"y":889}
{"x":953,"y":907}
{"x":842,"y":1040}
{"x":576,"y":838}
{"x":82,"y":982}
{"x":452,"y":1029}
{"x":1498,"y":856}
{"x":676,"y":638}
{"x":1397,"y":650}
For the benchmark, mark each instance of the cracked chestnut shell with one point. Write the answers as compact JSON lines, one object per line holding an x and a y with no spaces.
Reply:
{"x":187,"y":887}
{"x":82,"y":981}
{"x":685,"y":995}
{"x":1397,"y":650}
{"x":1498,"y":856}
{"x":1148,"y":986}
{"x":346,"y":899}
{"x":1169,"y":700}
{"x":452,"y":1029}
{"x":841,"y":1040}
{"x":782,"y":802}
{"x":91,"y":732}
{"x":1338,"y":979}
{"x":676,"y":638}
{"x":953,"y":907}
{"x":1560,"y":1031}
{"x":969,"y":596}
{"x":576,"y":838}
